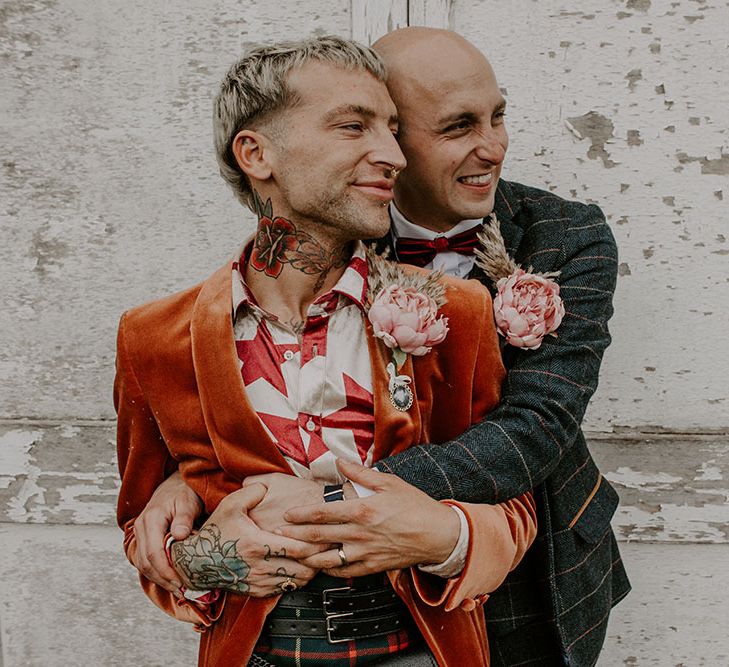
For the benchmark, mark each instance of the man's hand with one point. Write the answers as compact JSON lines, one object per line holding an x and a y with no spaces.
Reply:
{"x":173,"y":507}
{"x":231,"y":552}
{"x":397,"y":527}
{"x":284,"y":492}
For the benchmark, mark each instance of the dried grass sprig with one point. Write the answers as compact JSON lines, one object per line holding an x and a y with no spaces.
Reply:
{"x":492,"y":256}
{"x":383,"y":272}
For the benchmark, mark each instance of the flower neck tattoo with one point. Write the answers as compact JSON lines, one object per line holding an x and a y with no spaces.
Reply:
{"x":279,"y":242}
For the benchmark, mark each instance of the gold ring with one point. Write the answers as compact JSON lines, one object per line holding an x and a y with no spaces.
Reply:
{"x":342,"y":557}
{"x":289,"y":585}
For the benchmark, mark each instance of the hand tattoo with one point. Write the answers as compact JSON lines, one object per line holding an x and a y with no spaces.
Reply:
{"x":274,"y":554}
{"x":206,"y":563}
{"x":279,"y":242}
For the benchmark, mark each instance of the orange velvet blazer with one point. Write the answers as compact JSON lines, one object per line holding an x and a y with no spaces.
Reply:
{"x":181,"y":402}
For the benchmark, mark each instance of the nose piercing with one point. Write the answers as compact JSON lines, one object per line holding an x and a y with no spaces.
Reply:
{"x":394,"y":172}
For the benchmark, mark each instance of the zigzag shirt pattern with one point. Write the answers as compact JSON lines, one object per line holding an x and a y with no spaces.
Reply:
{"x":312,"y":391}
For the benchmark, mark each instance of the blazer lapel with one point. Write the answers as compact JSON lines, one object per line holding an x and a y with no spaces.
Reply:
{"x":241,"y":443}
{"x":506,"y":208}
{"x":395,"y":431}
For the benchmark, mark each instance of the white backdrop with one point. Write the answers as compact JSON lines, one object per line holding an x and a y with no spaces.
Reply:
{"x":110,"y":196}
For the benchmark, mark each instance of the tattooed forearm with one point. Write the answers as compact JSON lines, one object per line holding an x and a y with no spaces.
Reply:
{"x":279,"y":242}
{"x":207,"y":563}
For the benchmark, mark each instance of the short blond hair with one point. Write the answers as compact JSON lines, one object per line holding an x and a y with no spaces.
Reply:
{"x":255,"y":89}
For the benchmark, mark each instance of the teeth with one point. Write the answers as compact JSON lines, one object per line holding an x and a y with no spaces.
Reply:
{"x":481,"y":179}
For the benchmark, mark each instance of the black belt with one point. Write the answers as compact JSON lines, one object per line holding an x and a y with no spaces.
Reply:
{"x":339,"y":600}
{"x":336,"y":628}
{"x":367,"y":608}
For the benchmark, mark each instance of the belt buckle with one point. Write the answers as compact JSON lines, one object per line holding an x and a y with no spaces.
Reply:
{"x":325,"y":599}
{"x":330,"y":629}
{"x":329,"y":616}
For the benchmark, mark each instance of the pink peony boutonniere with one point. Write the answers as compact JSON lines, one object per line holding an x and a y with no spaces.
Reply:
{"x":404,"y":315}
{"x":527,"y":305}
{"x":406,"y":320}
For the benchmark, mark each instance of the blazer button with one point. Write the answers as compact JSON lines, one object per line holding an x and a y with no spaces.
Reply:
{"x":469,"y":604}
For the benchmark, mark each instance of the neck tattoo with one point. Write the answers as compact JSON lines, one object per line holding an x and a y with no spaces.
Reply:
{"x":279,"y":242}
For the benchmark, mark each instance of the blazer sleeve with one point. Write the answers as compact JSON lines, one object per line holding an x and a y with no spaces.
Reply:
{"x":499,"y":537}
{"x":545,"y":393}
{"x":144,"y":462}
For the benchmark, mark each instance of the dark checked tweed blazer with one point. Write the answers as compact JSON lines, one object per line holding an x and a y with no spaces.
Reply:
{"x":553,"y":609}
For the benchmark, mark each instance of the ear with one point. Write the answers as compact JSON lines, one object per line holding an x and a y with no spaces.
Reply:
{"x":251,"y":153}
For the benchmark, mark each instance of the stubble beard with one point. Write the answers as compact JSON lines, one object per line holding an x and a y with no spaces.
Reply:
{"x":343,"y":219}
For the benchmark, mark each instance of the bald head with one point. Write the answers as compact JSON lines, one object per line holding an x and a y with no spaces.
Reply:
{"x":428,"y":63}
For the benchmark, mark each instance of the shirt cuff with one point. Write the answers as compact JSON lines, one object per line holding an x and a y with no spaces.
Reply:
{"x":453,"y":565}
{"x":362,"y":491}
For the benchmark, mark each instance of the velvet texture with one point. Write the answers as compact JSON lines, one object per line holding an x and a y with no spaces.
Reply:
{"x":181,"y":402}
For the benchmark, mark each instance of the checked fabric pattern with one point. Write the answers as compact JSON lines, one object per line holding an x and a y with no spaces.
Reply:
{"x":553,"y":608}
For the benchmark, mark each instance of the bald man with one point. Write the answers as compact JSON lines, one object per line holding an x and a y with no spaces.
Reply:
{"x":553,"y":609}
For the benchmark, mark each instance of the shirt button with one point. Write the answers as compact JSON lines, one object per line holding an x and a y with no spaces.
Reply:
{"x":310,"y":425}
{"x":288,"y":355}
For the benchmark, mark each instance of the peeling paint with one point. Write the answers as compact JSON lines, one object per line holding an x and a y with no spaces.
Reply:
{"x":634,"y":138}
{"x":708,"y":471}
{"x":15,"y":454}
{"x":623,"y":269}
{"x":640,"y":5}
{"x":598,"y":129}
{"x":719,"y":166}
{"x":59,"y":474}
{"x":634,"y":479}
{"x":633,"y":77}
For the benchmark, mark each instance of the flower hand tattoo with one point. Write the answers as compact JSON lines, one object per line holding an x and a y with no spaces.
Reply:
{"x":208,"y":563}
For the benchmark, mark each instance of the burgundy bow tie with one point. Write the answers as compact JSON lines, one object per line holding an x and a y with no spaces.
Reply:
{"x":422,"y":251}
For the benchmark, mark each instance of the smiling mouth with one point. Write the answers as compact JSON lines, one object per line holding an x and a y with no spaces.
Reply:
{"x":381,"y":189}
{"x":476,"y":179}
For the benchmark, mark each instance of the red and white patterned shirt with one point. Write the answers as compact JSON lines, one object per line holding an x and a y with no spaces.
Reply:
{"x":313,"y":391}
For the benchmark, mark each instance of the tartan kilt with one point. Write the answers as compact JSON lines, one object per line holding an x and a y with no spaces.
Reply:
{"x":314,"y":651}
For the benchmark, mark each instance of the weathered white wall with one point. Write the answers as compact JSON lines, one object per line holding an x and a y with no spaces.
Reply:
{"x":110,"y":196}
{"x":109,"y":193}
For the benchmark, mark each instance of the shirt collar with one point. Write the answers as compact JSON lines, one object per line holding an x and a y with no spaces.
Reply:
{"x":401,"y":226}
{"x":352,"y":284}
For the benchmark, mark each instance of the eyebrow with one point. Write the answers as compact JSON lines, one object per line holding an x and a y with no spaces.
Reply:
{"x":468,"y":115}
{"x":356,"y":109}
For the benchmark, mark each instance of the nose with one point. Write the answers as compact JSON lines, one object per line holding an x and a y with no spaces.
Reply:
{"x":490,"y":147}
{"x":387,"y":152}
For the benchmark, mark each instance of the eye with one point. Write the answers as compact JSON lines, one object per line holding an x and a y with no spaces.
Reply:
{"x":500,"y":115}
{"x":352,"y":127}
{"x":459,"y":126}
